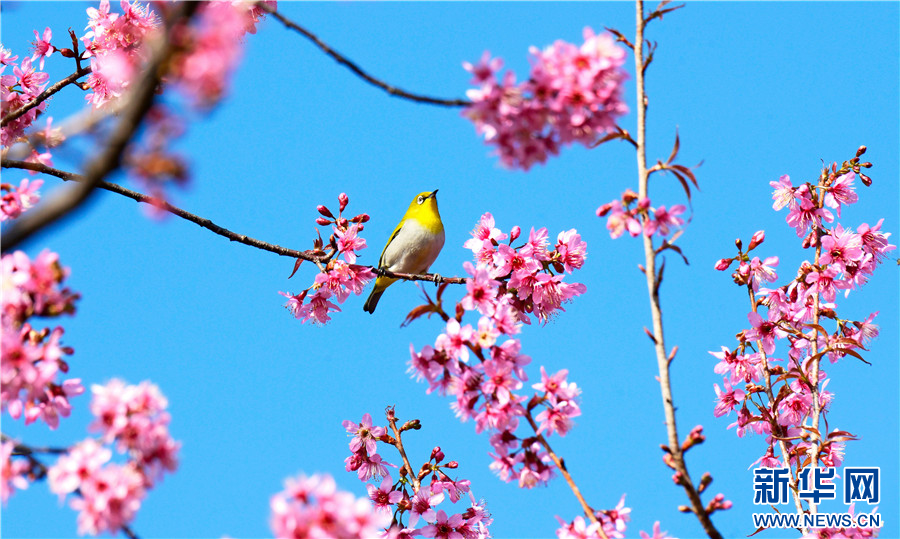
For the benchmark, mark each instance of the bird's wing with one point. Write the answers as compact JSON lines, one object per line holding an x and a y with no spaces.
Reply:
{"x":393,"y":235}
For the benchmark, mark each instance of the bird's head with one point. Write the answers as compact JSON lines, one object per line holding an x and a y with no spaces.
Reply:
{"x":424,"y":206}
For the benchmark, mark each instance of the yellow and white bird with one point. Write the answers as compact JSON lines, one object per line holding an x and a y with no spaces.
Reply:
{"x":413,"y":246}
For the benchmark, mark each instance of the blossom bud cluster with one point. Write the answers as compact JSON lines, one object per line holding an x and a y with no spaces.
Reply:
{"x":340,"y":275}
{"x":635,"y":215}
{"x":573,"y":94}
{"x":793,"y":315}
{"x":32,"y":358}
{"x":108,"y":494}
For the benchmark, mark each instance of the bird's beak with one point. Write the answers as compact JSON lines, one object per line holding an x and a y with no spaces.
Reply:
{"x":433,"y":193}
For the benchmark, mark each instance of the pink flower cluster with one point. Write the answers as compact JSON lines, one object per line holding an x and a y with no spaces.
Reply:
{"x":635,"y":215}
{"x":613,"y":522}
{"x":13,"y":474}
{"x":794,"y":315}
{"x":108,"y":495}
{"x":573,"y":94}
{"x":17,"y":90}
{"x":340,"y":275}
{"x":314,"y":507}
{"x":411,"y":496}
{"x":509,"y":283}
{"x":32,"y":358}
{"x":17,"y":200}
{"x":114,"y":44}
{"x":215,"y":48}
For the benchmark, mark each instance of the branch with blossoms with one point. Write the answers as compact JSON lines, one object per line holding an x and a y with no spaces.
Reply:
{"x":510,"y":285}
{"x":633,"y":213}
{"x":107,"y":495}
{"x":787,"y":402}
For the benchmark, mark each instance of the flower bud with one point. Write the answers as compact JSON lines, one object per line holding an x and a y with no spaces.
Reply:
{"x":860,"y":151}
{"x":516,"y":232}
{"x":757,"y":238}
{"x":723,"y":263}
{"x":67,"y":53}
{"x":342,"y":223}
{"x":361,"y":218}
{"x":867,"y":181}
{"x":603,"y":210}
{"x":322,"y":221}
{"x":629,"y":196}
{"x":343,"y":200}
{"x":452,"y":465}
{"x":644,"y":203}
{"x":436,"y":454}
{"x":324,"y":211}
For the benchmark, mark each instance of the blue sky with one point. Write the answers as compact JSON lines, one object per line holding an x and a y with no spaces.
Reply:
{"x":756,"y":90}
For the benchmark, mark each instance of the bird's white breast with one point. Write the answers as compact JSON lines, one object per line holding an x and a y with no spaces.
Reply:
{"x":413,"y":250}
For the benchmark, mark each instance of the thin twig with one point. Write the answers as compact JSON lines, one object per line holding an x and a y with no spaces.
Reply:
{"x":109,"y":158}
{"x":209,"y":225}
{"x":398,"y":443}
{"x":674,"y":444}
{"x":561,"y":466}
{"x":343,"y":60}
{"x":43,"y":96}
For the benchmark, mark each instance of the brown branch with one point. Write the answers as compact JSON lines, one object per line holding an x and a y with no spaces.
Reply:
{"x":43,"y":96}
{"x":209,"y":225}
{"x":343,"y":60}
{"x":398,"y":443}
{"x":110,"y":156}
{"x":561,"y":466}
{"x":653,"y":277}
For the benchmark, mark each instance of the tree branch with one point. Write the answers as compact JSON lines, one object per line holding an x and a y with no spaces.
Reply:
{"x":209,"y":225}
{"x":653,"y":278}
{"x":43,"y":96}
{"x":109,"y":158}
{"x":392,"y":90}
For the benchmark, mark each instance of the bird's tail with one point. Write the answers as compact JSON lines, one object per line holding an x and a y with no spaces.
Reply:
{"x":381,"y":284}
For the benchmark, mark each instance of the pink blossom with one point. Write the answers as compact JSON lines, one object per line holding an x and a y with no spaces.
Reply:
{"x":841,"y":192}
{"x":663,"y":219}
{"x":444,"y":527}
{"x":726,"y":400}
{"x":19,"y":199}
{"x":657,"y":534}
{"x":423,"y":504}
{"x":557,"y":418}
{"x":579,"y":528}
{"x":762,"y":271}
{"x":12,"y":473}
{"x":804,"y":215}
{"x":783,"y":194}
{"x":481,"y":289}
{"x":555,"y":387}
{"x":454,"y":342}
{"x":42,"y":47}
{"x":81,"y":462}
{"x":348,"y":242}
{"x":313,"y":507}
{"x":109,"y":499}
{"x":384,"y":496}
{"x":874,"y":241}
{"x":484,"y":231}
{"x":364,"y":434}
{"x":841,"y":247}
{"x":571,"y":250}
{"x":763,"y":330}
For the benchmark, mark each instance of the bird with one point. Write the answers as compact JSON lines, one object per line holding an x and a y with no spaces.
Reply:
{"x":414,"y":245}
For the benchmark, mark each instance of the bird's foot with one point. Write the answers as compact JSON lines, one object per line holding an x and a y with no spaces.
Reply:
{"x":437,"y":278}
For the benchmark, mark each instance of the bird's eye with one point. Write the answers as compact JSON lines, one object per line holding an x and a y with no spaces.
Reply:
{"x":421,"y":199}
